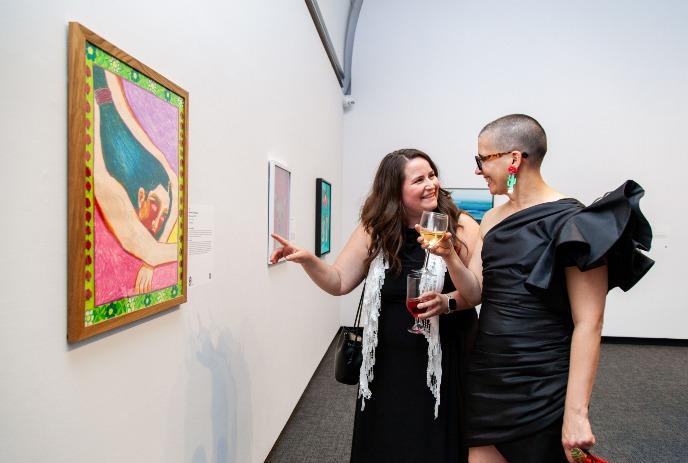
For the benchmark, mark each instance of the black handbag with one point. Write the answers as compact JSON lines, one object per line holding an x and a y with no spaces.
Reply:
{"x":348,"y":356}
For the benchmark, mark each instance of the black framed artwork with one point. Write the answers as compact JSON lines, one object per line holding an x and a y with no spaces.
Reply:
{"x":323,"y":216}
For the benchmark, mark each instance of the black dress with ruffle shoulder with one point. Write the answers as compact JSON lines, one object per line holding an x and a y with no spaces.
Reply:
{"x":519,"y":367}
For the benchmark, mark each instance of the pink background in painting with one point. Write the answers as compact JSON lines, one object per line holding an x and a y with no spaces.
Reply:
{"x":116,"y":269}
{"x":281,"y":212}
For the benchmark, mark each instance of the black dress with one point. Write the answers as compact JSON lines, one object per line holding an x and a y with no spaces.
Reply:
{"x":518,"y":370}
{"x":398,"y":423}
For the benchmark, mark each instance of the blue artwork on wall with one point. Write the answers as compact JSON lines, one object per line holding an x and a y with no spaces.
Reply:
{"x":323,"y":216}
{"x":475,"y":201}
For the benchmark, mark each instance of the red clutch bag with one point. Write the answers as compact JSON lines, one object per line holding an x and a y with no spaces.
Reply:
{"x":584,"y":456}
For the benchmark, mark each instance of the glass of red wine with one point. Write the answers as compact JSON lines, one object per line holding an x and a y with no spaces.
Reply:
{"x":414,"y":288}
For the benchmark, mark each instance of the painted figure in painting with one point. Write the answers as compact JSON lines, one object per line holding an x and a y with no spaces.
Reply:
{"x":135,"y":189}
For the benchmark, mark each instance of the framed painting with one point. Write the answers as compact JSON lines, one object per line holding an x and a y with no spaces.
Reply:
{"x":279,"y":204}
{"x":128,"y":157}
{"x":475,"y":201}
{"x":323,"y":216}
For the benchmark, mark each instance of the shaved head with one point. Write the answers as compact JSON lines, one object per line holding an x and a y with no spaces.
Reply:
{"x":517,"y":132}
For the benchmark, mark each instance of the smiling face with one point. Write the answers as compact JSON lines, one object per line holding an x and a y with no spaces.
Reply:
{"x":494,"y":171}
{"x":420,"y":189}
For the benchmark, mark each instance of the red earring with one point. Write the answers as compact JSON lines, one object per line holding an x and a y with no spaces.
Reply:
{"x":511,"y":179}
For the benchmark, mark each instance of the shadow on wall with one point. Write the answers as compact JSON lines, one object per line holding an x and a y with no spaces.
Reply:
{"x":219,"y":356}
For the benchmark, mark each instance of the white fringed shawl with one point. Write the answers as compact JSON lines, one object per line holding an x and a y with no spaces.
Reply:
{"x":370,"y":315}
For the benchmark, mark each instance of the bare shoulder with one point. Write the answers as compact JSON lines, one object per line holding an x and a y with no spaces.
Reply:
{"x":467,"y":225}
{"x":468,"y":235}
{"x":360,"y":237}
{"x":361,"y":231}
{"x":554,"y":195}
{"x":492,"y":218}
{"x":351,"y":258}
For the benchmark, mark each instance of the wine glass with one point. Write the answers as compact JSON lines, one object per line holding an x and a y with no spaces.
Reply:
{"x":433,"y":226}
{"x":414,"y":288}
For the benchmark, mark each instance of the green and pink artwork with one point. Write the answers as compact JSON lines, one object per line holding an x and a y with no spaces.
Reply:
{"x":323,"y":216}
{"x":131,"y":155}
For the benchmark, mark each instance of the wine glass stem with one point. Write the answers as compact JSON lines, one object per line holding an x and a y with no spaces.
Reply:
{"x":427,"y":256}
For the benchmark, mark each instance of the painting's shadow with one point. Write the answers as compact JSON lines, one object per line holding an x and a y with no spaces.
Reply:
{"x":220,"y":356}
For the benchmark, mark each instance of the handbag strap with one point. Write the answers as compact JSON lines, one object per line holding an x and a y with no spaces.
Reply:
{"x":360,"y":306}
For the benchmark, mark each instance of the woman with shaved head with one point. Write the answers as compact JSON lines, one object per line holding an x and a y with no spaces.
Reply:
{"x":542,"y":269}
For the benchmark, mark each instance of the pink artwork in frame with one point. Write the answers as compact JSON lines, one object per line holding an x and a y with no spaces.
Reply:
{"x":279,"y":204}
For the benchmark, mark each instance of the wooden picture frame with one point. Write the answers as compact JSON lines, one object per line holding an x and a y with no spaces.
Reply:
{"x":128,"y":188}
{"x":474,"y":201}
{"x":279,"y":204}
{"x":323,"y":217}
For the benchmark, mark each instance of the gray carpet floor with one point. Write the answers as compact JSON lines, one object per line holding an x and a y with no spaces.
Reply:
{"x":639,"y":410}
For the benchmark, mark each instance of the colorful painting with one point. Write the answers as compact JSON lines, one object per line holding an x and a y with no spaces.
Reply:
{"x":279,"y":202}
{"x":323,"y":216}
{"x":128,"y":176}
{"x":475,"y":201}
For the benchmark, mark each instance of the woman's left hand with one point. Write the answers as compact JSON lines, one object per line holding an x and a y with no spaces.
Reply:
{"x":576,"y":432}
{"x":434,"y":302}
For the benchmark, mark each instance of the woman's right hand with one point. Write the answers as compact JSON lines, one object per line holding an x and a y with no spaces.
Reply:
{"x":443,"y":248}
{"x":289,"y":252}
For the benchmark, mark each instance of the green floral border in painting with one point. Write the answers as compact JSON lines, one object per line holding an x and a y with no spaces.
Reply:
{"x":96,"y":314}
{"x":95,"y":55}
{"x":130,"y":304}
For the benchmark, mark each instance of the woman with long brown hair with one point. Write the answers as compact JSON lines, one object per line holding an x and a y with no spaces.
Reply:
{"x":409,"y":405}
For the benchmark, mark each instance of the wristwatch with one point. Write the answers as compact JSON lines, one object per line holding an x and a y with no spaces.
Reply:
{"x":451,"y":304}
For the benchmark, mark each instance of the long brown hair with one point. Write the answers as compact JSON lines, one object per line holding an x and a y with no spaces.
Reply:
{"x":383,"y":215}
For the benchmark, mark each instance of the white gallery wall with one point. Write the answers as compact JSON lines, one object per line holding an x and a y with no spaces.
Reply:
{"x":216,"y":379}
{"x":608,"y":81}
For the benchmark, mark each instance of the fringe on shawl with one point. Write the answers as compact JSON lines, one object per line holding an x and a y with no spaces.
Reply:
{"x":370,"y":316}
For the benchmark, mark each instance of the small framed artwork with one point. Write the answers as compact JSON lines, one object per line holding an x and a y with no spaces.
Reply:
{"x":475,"y":201}
{"x":128,"y":157}
{"x":323,"y":216}
{"x":279,"y":204}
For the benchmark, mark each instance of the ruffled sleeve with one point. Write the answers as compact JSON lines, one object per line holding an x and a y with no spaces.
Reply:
{"x":611,"y":230}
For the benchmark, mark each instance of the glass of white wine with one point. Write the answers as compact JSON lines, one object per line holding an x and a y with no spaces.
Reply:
{"x":433,"y":226}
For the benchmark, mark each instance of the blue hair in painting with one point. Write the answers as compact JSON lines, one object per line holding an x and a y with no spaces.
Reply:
{"x":125,"y":158}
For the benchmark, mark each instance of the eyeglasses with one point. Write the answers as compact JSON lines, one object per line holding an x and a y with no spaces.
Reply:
{"x":479,"y":159}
